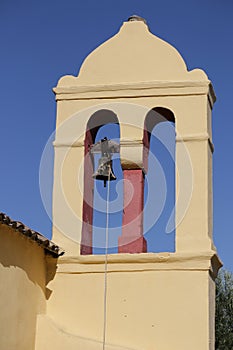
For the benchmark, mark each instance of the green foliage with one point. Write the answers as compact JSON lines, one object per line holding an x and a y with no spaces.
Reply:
{"x":224,"y":311}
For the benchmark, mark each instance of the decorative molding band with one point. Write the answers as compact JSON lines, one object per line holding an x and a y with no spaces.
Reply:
{"x":136,"y":142}
{"x":68,"y":143}
{"x":202,"y":261}
{"x":71,"y":143}
{"x":192,"y":137}
{"x":196,"y":138}
{"x":140,"y":89}
{"x":134,"y":86}
{"x":130,"y":143}
{"x":141,"y":258}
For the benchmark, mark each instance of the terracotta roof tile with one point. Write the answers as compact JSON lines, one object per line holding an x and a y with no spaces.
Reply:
{"x":49,"y":246}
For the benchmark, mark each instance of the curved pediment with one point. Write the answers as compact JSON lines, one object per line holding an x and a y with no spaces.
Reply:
{"x":133,"y":55}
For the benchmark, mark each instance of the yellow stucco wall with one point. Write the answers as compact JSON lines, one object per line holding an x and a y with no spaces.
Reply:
{"x":193,"y":160}
{"x":154,"y":301}
{"x":22,"y":289}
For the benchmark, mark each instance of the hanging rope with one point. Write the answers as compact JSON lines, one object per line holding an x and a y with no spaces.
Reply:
{"x":106,"y":263}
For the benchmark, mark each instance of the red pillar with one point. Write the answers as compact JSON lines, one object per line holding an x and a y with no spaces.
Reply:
{"x":132,"y":239}
{"x":86,"y":240}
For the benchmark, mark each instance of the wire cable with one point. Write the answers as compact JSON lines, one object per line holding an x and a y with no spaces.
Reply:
{"x":106,"y":263}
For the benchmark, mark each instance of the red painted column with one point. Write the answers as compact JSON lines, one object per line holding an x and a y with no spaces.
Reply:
{"x":86,"y":241}
{"x":132,"y":239}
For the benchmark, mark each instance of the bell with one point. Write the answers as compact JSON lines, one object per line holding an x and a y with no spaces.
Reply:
{"x":104,"y":171}
{"x":106,"y":148}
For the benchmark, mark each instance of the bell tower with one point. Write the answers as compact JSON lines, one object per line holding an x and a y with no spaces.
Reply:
{"x":137,"y":299}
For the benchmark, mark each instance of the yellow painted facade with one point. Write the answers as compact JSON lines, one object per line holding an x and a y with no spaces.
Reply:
{"x":154,"y":301}
{"x":24,"y":273}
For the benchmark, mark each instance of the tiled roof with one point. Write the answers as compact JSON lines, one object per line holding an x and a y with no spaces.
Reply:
{"x":49,"y":246}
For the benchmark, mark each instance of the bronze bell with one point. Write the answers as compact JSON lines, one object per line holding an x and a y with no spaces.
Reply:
{"x":104,"y":171}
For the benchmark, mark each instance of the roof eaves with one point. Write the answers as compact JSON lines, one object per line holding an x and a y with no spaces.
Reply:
{"x":49,"y":247}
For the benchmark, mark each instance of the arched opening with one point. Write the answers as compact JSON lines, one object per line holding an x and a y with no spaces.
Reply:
{"x":102,"y":123}
{"x":112,"y":132}
{"x":159,"y":191}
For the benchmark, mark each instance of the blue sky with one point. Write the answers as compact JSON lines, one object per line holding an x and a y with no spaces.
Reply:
{"x":43,"y":40}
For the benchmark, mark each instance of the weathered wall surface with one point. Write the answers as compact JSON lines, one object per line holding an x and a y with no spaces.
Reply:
{"x":154,"y":301}
{"x":22,"y":289}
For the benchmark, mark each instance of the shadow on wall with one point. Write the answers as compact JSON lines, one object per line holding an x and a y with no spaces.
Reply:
{"x":19,"y":252}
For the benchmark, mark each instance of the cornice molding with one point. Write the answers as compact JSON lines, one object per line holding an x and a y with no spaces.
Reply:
{"x":136,"y":142}
{"x":198,"y":261}
{"x":140,"y":89}
{"x":196,"y":138}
